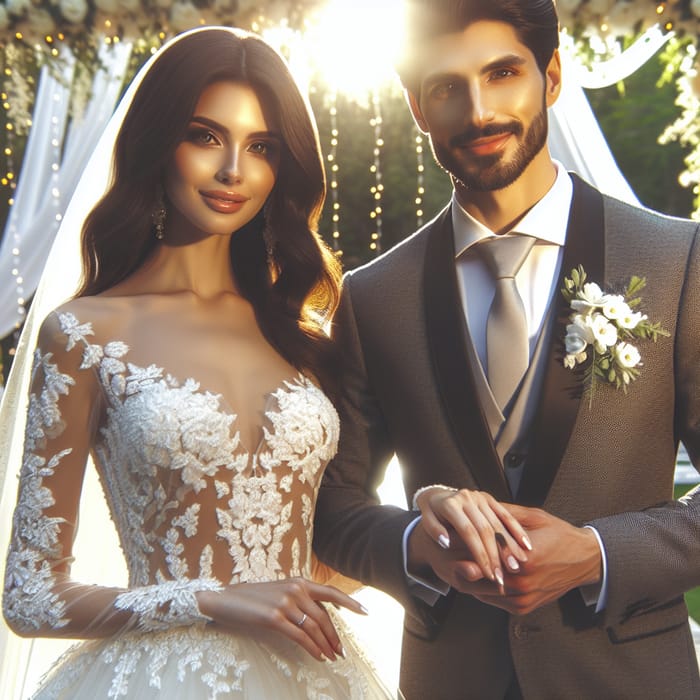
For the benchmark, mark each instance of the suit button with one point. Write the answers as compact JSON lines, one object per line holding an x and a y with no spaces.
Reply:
{"x":513,"y":460}
{"x":520,"y":631}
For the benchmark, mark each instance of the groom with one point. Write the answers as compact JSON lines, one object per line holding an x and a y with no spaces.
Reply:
{"x":597,"y":611}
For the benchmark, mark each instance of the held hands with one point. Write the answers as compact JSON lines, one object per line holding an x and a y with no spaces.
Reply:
{"x":291,"y":607}
{"x":493,"y":538}
{"x":560,"y":557}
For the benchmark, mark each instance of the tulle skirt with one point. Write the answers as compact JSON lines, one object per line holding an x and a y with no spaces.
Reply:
{"x":199,"y":662}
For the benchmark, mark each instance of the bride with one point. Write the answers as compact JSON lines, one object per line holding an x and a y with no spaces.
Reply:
{"x":193,"y":367}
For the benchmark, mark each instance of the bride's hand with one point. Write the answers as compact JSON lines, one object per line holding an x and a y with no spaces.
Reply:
{"x":293,"y":607}
{"x":491,"y":534}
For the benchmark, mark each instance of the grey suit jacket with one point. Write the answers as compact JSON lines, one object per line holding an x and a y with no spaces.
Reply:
{"x":408,"y":388}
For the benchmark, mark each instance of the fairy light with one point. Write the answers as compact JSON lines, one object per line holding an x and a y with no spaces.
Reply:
{"x":377,"y":189}
{"x":333,"y":169}
{"x":420,"y":177}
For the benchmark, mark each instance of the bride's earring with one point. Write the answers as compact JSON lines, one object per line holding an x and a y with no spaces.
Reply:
{"x":158,"y":218}
{"x":268,"y":237}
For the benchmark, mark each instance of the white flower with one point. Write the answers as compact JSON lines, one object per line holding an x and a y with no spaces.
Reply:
{"x":577,"y":338}
{"x":605,"y":333}
{"x":615,"y":307}
{"x":695,"y":7}
{"x":571,"y":360}
{"x":132,"y":6}
{"x":590,"y":297}
{"x":184,"y":15}
{"x":74,"y":10}
{"x":627,"y":355}
{"x":631,"y":320}
{"x":600,"y":7}
{"x":107,"y":6}
{"x":17,"y":7}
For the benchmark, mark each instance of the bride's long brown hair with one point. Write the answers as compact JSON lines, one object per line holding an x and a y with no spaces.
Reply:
{"x":292,"y":304}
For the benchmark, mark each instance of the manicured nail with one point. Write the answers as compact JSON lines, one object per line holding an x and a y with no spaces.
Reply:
{"x":363,"y":610}
{"x":513,"y":563}
{"x":499,"y":576}
{"x":340,"y":650}
{"x":323,"y":657}
{"x":444,"y":541}
{"x":527,"y":543}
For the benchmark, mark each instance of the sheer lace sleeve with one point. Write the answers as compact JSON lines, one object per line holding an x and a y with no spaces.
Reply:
{"x":40,"y":599}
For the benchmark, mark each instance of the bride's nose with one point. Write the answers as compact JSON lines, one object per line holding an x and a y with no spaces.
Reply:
{"x":230,"y":172}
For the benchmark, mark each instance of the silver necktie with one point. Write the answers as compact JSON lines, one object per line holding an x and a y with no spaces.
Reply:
{"x":507,"y":337}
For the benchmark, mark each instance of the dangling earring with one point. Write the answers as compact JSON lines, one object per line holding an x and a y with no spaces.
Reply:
{"x":268,"y":236}
{"x":158,"y":217}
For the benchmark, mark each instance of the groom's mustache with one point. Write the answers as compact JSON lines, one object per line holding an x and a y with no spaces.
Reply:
{"x":473,"y":133}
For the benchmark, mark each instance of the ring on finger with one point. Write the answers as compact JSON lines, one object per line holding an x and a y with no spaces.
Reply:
{"x":302,"y":621}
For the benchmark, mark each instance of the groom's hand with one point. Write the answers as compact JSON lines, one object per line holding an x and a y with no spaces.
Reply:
{"x":454,"y":566}
{"x":563,"y":557}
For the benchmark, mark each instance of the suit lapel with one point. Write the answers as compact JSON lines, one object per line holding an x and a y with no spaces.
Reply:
{"x":560,"y":397}
{"x":445,"y":328}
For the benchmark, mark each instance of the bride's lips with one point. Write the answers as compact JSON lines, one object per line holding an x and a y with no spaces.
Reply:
{"x":223,"y":202}
{"x":488,"y":145}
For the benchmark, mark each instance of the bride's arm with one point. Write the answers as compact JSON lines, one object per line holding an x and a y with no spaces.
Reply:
{"x":65,"y":402}
{"x":40,"y":597}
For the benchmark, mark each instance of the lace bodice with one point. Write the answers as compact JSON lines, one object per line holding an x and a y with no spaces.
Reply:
{"x":193,"y":507}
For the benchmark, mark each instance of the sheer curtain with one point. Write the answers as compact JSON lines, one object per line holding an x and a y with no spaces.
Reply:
{"x":57,"y":149}
{"x":35,"y":217}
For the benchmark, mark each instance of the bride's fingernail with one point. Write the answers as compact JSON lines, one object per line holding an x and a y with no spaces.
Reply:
{"x":513,"y":563}
{"x":363,"y":609}
{"x":526,"y":542}
{"x":444,"y":541}
{"x":340,"y":650}
{"x":499,"y":576}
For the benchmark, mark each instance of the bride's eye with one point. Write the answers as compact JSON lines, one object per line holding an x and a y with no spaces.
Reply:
{"x":204,"y":137}
{"x":262,"y":148}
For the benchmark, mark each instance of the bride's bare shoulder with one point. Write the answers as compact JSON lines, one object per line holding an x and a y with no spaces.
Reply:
{"x":104,"y":314}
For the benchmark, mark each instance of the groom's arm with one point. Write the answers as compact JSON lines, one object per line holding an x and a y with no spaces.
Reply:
{"x":353,"y":533}
{"x":654,"y":555}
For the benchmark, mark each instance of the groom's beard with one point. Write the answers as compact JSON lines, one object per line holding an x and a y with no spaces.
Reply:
{"x":490,"y":172}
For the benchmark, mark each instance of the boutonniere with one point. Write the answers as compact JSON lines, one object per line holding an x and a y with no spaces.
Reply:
{"x":600,"y":331}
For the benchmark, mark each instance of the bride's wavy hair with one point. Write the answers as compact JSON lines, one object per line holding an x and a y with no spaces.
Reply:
{"x":294,"y":300}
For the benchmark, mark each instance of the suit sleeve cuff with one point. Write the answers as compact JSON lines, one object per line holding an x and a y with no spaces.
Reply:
{"x":597,"y":593}
{"x":427,"y":589}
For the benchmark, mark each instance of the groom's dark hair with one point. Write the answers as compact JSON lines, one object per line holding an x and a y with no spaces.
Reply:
{"x":534,"y":21}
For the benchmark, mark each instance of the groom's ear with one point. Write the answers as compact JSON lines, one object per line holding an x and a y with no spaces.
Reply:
{"x":552,"y":77}
{"x":414,"y":106}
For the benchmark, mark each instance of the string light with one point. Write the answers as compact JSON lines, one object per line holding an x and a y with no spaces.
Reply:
{"x":377,"y":189}
{"x":420,"y":177}
{"x":333,"y":170}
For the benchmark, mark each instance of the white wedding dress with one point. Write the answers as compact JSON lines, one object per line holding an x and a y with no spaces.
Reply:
{"x":194,"y":506}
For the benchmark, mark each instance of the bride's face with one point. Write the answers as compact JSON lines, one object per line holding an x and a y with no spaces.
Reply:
{"x":225,"y":167}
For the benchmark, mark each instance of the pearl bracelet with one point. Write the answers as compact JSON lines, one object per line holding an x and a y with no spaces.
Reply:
{"x":423,"y":489}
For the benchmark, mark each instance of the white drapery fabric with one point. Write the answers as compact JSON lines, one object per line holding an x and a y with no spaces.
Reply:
{"x":57,"y":149}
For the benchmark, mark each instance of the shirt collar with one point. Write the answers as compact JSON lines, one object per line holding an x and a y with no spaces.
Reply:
{"x":547,"y":220}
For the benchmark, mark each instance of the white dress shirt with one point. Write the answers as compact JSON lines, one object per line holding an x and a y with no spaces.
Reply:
{"x":536,"y":281}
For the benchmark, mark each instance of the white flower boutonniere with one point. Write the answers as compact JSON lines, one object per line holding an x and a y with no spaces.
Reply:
{"x":600,"y":328}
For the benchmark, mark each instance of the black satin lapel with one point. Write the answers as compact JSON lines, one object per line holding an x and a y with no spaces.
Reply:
{"x":560,"y":398}
{"x":444,"y":326}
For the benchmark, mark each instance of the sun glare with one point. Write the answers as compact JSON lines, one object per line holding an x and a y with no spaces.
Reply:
{"x":351,"y":44}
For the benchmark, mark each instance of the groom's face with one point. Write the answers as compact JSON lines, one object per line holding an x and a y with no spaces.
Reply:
{"x":483,"y":100}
